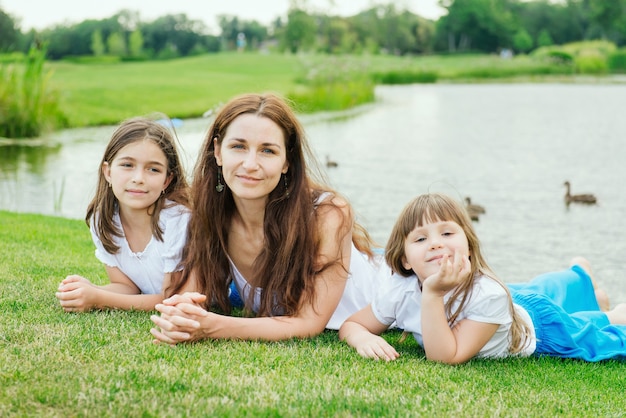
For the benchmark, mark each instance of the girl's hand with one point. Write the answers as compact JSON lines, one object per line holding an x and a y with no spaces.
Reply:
{"x":180,"y":319}
{"x":374,"y":346}
{"x":77,"y":294}
{"x":451,"y":273}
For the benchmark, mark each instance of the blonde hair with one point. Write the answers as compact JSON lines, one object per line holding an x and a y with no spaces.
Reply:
{"x":435,"y":207}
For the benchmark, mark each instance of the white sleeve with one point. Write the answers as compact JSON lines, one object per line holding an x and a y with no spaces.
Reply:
{"x":489,"y":303}
{"x":175,"y":237}
{"x":388,"y":303}
{"x":101,"y":253}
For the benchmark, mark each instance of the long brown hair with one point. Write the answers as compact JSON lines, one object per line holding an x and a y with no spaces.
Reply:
{"x":435,"y":207}
{"x":104,"y":203}
{"x":288,"y":262}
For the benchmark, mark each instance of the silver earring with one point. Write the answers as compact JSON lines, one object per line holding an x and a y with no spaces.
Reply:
{"x":220,"y":186}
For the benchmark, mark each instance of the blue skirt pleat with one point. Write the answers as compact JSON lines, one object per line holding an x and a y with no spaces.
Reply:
{"x":567,"y":319}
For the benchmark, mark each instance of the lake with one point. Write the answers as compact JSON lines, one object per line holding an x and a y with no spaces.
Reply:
{"x":508,"y":146}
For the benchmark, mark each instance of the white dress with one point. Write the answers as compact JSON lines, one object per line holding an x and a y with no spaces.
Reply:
{"x":402,"y":302}
{"x":147,"y":268}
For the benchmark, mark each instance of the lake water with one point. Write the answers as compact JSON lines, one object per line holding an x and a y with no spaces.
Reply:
{"x":508,"y":146}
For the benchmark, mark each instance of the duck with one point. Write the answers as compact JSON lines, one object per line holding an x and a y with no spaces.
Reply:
{"x":586,"y":198}
{"x":331,"y":163}
{"x":473,"y":210}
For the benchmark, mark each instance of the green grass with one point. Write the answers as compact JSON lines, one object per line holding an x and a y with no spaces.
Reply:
{"x":103,"y":363}
{"x":97,"y":94}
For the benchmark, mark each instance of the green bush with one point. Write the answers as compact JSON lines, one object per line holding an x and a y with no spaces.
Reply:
{"x":560,"y":57}
{"x":616,"y":61}
{"x":591,"y":62}
{"x":334,"y":96}
{"x":405,"y":77}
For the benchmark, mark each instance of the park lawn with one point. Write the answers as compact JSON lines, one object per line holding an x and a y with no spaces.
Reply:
{"x":101,"y":94}
{"x":104,"y":364}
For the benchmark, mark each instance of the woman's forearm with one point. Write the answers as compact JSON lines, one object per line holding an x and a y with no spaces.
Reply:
{"x":275,"y":328}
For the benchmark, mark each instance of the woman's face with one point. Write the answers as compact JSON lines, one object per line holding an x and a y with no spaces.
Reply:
{"x":252,"y":156}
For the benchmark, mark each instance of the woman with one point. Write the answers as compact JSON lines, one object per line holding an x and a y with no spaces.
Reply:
{"x":264,"y":220}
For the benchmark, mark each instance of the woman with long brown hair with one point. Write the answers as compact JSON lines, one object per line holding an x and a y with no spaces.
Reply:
{"x":264,"y":220}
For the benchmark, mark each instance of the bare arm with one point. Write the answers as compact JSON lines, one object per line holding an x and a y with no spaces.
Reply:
{"x":77,"y":294}
{"x":182,"y":319}
{"x":362,"y":331}
{"x":442,"y":343}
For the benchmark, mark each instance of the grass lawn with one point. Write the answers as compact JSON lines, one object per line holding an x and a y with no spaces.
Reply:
{"x":100,"y":94}
{"x":103,"y":363}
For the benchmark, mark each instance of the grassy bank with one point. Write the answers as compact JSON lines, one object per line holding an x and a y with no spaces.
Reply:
{"x":104,"y":364}
{"x":96,"y":94}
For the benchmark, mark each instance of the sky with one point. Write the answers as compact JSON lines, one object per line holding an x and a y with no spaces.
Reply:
{"x":40,"y":14}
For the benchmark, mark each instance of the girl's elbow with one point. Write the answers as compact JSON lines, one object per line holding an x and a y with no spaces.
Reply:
{"x":452,"y":361}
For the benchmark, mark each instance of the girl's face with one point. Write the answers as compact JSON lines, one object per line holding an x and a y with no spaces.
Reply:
{"x":252,"y":156}
{"x":425,"y":246}
{"x":137,"y":174}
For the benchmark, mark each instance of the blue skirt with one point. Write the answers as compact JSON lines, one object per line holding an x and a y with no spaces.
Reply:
{"x":567,"y":319}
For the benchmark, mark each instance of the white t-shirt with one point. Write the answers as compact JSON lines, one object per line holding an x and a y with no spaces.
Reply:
{"x":365,"y":280}
{"x":402,"y":301}
{"x":147,"y":268}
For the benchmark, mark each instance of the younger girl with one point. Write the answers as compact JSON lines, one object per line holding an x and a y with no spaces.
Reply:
{"x":444,"y":292}
{"x":138,"y":220}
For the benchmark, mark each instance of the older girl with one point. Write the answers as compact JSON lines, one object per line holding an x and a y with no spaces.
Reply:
{"x":137,"y":218}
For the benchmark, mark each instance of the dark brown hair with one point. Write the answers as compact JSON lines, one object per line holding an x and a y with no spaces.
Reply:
{"x":288,"y":263}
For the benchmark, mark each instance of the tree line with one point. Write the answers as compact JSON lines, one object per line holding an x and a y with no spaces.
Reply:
{"x":487,"y":26}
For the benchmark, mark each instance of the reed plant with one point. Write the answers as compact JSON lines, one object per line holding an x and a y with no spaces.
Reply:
{"x":28,"y":106}
{"x":104,"y":363}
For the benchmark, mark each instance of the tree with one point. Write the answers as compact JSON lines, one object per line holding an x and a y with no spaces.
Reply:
{"x":485,"y":25}
{"x":299,"y":32}
{"x":557,"y":20}
{"x":365,"y":27}
{"x":522,"y":41}
{"x":176,"y":33}
{"x":334,"y":35}
{"x":544,"y":38}
{"x":116,"y":44}
{"x":607,"y":15}
{"x":135,"y":44}
{"x":231,"y":27}
{"x":9,"y":32}
{"x":97,"y":44}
